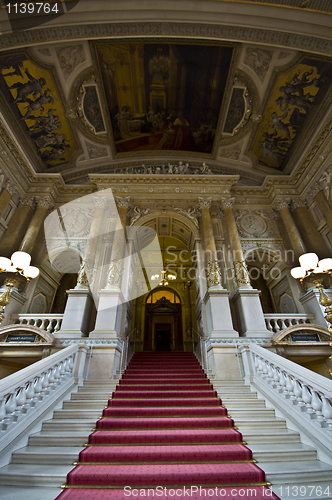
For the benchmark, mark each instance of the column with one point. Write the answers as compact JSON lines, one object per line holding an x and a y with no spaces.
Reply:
{"x":111,"y":310}
{"x":215,"y":304}
{"x":36,"y":223}
{"x":325,"y":207}
{"x":240,"y":267}
{"x":5,"y":196}
{"x":115,"y":270}
{"x":308,"y":230}
{"x":246,"y":300}
{"x":79,"y":306}
{"x":293,"y":234}
{"x":213,"y":275}
{"x":17,"y":226}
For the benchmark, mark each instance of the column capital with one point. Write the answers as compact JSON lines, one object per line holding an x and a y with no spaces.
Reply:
{"x":11,"y":187}
{"x":226,"y":203}
{"x":123,"y":202}
{"x":100,"y":201}
{"x":280,"y":204}
{"x":28,"y":201}
{"x":45,"y":202}
{"x":204,"y":203}
{"x":298,"y":203}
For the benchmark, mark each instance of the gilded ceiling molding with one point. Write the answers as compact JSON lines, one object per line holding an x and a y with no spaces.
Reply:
{"x":157,"y":29}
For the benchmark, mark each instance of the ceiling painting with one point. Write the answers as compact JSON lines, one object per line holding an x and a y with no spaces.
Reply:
{"x":34,"y":100}
{"x":164,"y":96}
{"x":296,"y":93}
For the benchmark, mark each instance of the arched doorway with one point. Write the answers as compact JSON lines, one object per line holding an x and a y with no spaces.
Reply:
{"x":163,"y":321}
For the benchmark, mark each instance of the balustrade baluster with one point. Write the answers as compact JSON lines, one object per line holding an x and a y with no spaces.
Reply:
{"x":268,"y":325}
{"x":306,"y":397}
{"x":38,"y":389}
{"x":298,"y":393}
{"x":282,"y":382}
{"x":10,"y":407}
{"x":3,"y":408}
{"x":58,"y":325}
{"x":21,"y":399}
{"x":289,"y":387}
{"x":50,"y":326}
{"x":45,"y":383}
{"x":327,"y":412}
{"x":317,"y":404}
{"x":276,"y":326}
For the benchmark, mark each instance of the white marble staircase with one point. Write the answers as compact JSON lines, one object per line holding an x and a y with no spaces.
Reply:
{"x":38,"y":470}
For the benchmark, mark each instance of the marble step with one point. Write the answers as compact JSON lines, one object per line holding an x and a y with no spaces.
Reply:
{"x":29,"y":493}
{"x":303,"y":472}
{"x":84,"y":425}
{"x":271,"y":436}
{"x":30,"y":475}
{"x":250,"y":412}
{"x":58,"y":455}
{"x":287,"y":472}
{"x":282,"y":452}
{"x":259,"y":423}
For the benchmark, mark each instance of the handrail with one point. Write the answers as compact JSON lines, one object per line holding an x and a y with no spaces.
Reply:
{"x":27,"y":394}
{"x":302,"y":395}
{"x":50,"y":322}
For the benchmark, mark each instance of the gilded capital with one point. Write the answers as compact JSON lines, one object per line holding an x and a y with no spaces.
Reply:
{"x":280,"y":204}
{"x":226,"y":203}
{"x":298,"y":203}
{"x":123,"y":202}
{"x":28,"y":201}
{"x":45,"y":202}
{"x":204,"y":203}
{"x":11,"y":187}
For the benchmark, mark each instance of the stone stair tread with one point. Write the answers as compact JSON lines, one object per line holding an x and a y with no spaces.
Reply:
{"x":30,"y":493}
{"x":306,"y":468}
{"x":30,"y":474}
{"x":261,"y":448}
{"x":47,"y":450}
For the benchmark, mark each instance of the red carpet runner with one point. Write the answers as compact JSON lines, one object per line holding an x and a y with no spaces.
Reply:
{"x":165,"y":434}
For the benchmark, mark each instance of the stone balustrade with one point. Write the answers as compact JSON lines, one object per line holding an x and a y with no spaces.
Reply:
{"x":29,"y":393}
{"x":301,"y":394}
{"x":50,"y":323}
{"x":277,"y":322}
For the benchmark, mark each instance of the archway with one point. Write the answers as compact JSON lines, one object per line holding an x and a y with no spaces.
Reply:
{"x":163,"y":321}
{"x":177,"y":235}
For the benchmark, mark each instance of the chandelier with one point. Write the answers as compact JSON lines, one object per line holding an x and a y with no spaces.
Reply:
{"x":164,"y":278}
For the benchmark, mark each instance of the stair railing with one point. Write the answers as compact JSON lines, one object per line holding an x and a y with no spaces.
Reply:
{"x":27,"y":395}
{"x":125,"y":355}
{"x":202,"y":348}
{"x":303,"y":396}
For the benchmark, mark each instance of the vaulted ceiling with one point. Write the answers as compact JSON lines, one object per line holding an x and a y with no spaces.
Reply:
{"x":224,"y":87}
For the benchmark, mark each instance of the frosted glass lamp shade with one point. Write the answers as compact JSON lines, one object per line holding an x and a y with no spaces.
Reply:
{"x":298,"y":272}
{"x":21,"y":260}
{"x":31,"y":272}
{"x":4,"y":264}
{"x":308,"y":261}
{"x":325,"y":265}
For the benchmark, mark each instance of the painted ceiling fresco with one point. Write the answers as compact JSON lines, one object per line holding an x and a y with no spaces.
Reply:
{"x":296,"y":93}
{"x":164,"y":96}
{"x":33,"y":98}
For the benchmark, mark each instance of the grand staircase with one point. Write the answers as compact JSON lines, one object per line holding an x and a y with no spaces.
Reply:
{"x":163,"y":407}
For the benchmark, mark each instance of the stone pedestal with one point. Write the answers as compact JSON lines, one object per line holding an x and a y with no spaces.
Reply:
{"x":105,"y":360}
{"x":311,"y":305}
{"x":249,"y":313}
{"x":77,"y":315}
{"x":223,"y":361}
{"x":218,"y":314}
{"x":109,"y":315}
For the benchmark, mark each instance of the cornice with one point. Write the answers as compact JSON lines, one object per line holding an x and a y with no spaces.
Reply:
{"x":174,"y":29}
